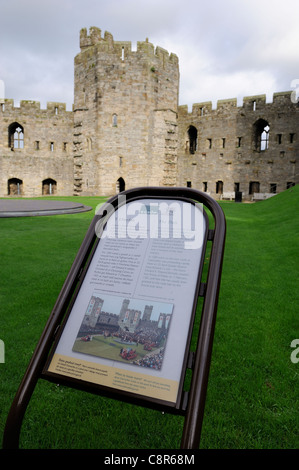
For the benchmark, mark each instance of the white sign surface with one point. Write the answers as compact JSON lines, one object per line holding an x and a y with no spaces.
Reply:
{"x":130,"y":321}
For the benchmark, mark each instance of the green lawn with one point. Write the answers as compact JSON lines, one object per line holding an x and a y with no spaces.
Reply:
{"x":252,"y":397}
{"x":106,"y":347}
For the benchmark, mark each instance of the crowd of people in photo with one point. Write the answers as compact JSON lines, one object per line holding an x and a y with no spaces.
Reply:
{"x":146,"y":334}
{"x":154,"y":361}
{"x":141,"y":336}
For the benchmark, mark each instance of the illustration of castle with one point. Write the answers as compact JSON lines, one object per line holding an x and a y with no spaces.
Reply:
{"x":126,"y":129}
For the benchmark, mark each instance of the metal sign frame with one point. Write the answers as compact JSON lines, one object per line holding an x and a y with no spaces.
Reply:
{"x":189,"y":403}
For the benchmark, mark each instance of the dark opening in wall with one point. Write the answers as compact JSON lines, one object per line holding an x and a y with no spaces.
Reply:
{"x":120,"y":185}
{"x":254,"y":187}
{"x":273,"y":188}
{"x":49,"y":187}
{"x":192,"y":133}
{"x":219,"y":187}
{"x":14,"y":187}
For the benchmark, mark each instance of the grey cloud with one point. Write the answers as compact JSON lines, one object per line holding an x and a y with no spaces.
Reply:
{"x":214,"y":40}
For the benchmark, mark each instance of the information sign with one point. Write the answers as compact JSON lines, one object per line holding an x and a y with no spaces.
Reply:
{"x":123,"y":320}
{"x":130,"y":322}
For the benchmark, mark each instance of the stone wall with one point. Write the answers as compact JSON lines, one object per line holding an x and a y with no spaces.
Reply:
{"x":44,"y":152}
{"x":126,"y":130}
{"x":228,"y":149}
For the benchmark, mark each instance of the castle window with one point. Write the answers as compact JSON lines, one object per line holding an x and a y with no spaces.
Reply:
{"x":192,"y":134}
{"x":254,"y":105}
{"x":14,"y":187}
{"x":265,"y":138}
{"x":261,"y":135}
{"x":49,"y":187}
{"x":209,"y":143}
{"x":56,"y":110}
{"x":273,"y":188}
{"x":16,"y":136}
{"x":120,"y":162}
{"x":189,"y":184}
{"x":239,"y":141}
{"x":114,"y":120}
{"x":120,"y":185}
{"x":36,"y":145}
{"x":279,"y":138}
{"x":290,"y":184}
{"x":89,"y":143}
{"x":223,"y":143}
{"x":122,"y":53}
{"x":254,"y":187}
{"x":236,"y":187}
{"x":292,"y":138}
{"x":219,"y":187}
{"x":65,"y":146}
{"x":52,"y":146}
{"x":205,"y":186}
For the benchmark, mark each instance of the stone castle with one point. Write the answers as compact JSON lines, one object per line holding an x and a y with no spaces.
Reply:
{"x":126,"y":129}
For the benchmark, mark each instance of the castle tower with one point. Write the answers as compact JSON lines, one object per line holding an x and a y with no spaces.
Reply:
{"x":124,"y":308}
{"x":125,"y":115}
{"x":147,"y":312}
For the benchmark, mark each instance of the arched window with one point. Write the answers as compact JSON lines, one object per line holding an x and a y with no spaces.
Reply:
{"x":192,"y":134}
{"x":14,"y":187}
{"x":120,"y":185}
{"x":261,"y":135}
{"x":16,"y":136}
{"x":49,"y":187}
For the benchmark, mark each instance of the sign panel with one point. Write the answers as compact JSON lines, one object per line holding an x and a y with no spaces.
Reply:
{"x":130,"y":323}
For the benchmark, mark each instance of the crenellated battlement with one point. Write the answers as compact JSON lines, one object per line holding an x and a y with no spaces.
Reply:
{"x":91,"y":39}
{"x":123,"y":49}
{"x":126,"y":128}
{"x":53,"y":107}
{"x":249,"y":103}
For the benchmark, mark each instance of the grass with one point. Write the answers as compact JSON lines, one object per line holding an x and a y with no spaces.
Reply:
{"x":252,"y":400}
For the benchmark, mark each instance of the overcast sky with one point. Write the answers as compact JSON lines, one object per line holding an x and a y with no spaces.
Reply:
{"x":226,"y":48}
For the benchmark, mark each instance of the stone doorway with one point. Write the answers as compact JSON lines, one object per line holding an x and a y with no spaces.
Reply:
{"x":49,"y":187}
{"x":14,"y":187}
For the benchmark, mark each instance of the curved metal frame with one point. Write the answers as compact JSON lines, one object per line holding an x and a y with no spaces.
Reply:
{"x":200,"y":371}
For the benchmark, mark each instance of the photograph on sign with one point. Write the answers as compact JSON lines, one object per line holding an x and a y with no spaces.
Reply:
{"x":126,"y":330}
{"x":130,"y":321}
